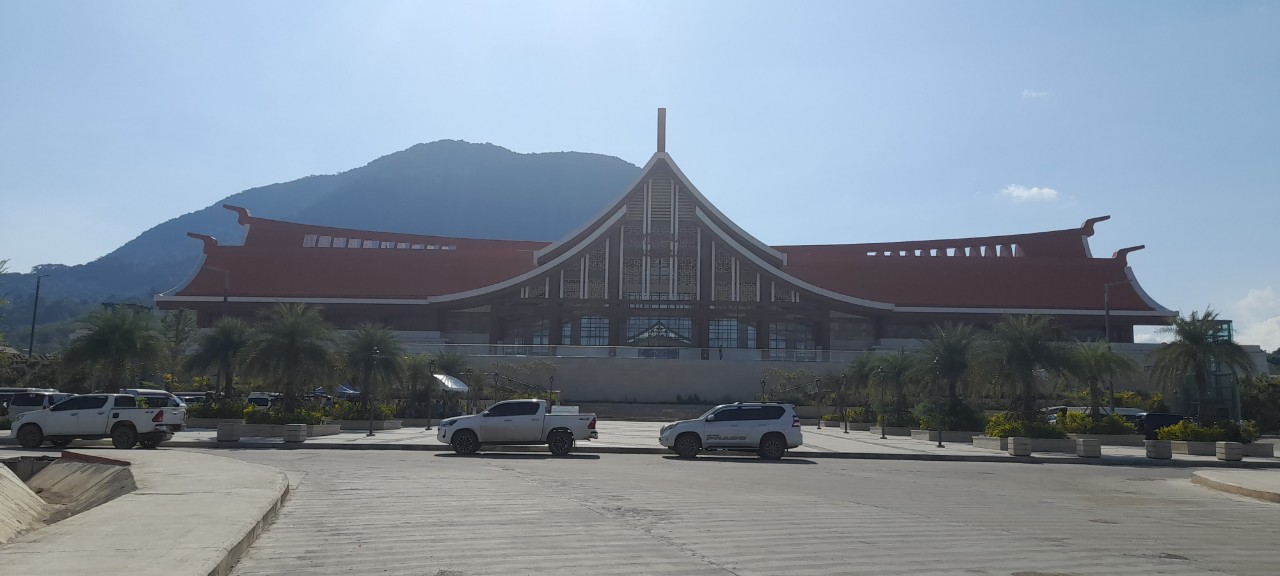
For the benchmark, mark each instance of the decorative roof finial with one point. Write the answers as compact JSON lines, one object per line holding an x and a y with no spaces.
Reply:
{"x":662,"y":129}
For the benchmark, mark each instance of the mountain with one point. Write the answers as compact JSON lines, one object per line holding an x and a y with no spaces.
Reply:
{"x":448,"y":188}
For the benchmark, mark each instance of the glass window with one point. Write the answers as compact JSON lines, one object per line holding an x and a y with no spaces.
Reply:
{"x":525,"y":409}
{"x":325,"y":241}
{"x":593,"y":331}
{"x":370,"y":244}
{"x":339,"y":242}
{"x":126,"y":402}
{"x":771,"y":412}
{"x":309,"y":241}
{"x":505,"y":409}
{"x":728,"y":415}
{"x":28,"y":399}
{"x":81,"y":403}
{"x":353,"y":243}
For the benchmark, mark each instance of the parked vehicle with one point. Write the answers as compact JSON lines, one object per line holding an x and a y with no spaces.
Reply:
{"x":264,"y":400}
{"x":175,"y":410}
{"x":90,"y":417}
{"x":31,"y":401}
{"x":767,"y":428}
{"x":517,"y":422}
{"x":7,"y":394}
{"x":1149,"y":422}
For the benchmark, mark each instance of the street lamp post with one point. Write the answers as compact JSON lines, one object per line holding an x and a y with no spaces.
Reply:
{"x":35,"y":306}
{"x":946,"y":407}
{"x":1106,"y":321}
{"x":844,"y":410}
{"x":368,"y":386}
{"x":884,"y":401}
{"x":551,"y":381}
{"x":431,"y":368}
{"x":763,"y":384}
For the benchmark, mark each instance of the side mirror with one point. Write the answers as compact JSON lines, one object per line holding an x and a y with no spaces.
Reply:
{"x":711,"y":418}
{"x":485,"y":414}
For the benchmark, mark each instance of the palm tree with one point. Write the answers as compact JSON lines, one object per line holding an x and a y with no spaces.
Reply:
{"x":450,"y":363}
{"x":118,"y":340}
{"x":374,"y":355}
{"x":1094,"y":362}
{"x":893,"y":375}
{"x":419,"y":370}
{"x":947,"y":349}
{"x":1017,"y":349}
{"x":1197,"y":346}
{"x":219,"y":348}
{"x":290,"y":348}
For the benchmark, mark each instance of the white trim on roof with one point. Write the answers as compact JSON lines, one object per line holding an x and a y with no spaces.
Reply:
{"x":1023,"y":311}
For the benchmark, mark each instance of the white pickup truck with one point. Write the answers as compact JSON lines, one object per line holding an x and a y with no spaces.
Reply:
{"x":90,"y":417}
{"x":515,"y":422}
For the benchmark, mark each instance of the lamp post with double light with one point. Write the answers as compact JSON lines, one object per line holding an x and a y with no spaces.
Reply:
{"x":431,"y":384}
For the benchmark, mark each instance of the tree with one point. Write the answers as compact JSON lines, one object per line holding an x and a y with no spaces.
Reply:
{"x":118,"y":340}
{"x":220,"y":348}
{"x":1197,"y":347}
{"x":947,"y":349}
{"x":178,"y":328}
{"x":290,"y":348}
{"x":1017,"y":350}
{"x":419,"y":371}
{"x":1095,"y":362}
{"x":375,"y":357}
{"x":893,"y":376}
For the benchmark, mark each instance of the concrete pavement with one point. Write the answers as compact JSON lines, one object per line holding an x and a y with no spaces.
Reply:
{"x":191,"y":515}
{"x":1263,"y":485}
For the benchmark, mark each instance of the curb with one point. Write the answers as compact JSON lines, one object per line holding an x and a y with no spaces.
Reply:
{"x":236,"y":549}
{"x":1197,"y":478}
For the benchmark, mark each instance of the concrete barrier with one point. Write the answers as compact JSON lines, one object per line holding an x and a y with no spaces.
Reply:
{"x":1112,"y":439}
{"x":1019,"y":446}
{"x":1089,"y":448}
{"x":890,"y":430}
{"x":1193,"y":448}
{"x":1260,"y":450}
{"x":958,"y":436}
{"x":1229,"y":451}
{"x":364,"y":424}
{"x":79,"y":482}
{"x":1158,"y":449}
{"x":991,"y":443}
{"x":20,"y":509}
{"x":295,"y":433}
{"x":209,"y":423}
{"x":229,"y":431}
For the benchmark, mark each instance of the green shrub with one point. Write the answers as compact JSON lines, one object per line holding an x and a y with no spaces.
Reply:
{"x":859,"y":414}
{"x":953,"y":414}
{"x":275,"y":416}
{"x":1082,"y":423}
{"x":1141,"y":400}
{"x":1245,"y":432}
{"x":1189,"y":431}
{"x":5,"y":424}
{"x":228,"y":409}
{"x":1010,"y":425}
{"x":897,"y":418}
{"x":344,"y":410}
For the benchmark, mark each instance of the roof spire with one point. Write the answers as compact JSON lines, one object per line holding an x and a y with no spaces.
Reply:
{"x":662,"y":130}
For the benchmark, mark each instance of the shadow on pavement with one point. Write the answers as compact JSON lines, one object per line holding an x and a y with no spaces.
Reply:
{"x":752,"y":459}
{"x":519,"y":456}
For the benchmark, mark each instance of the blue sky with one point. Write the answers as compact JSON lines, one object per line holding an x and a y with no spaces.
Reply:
{"x":809,"y":122}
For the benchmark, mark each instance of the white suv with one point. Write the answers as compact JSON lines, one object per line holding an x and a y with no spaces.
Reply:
{"x":765,"y":427}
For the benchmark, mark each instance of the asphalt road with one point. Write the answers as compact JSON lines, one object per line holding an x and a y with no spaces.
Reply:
{"x":436,"y":514}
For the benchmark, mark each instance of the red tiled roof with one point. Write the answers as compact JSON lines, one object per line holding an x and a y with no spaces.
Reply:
{"x":274,"y":263}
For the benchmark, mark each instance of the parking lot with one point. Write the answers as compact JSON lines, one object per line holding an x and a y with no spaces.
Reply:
{"x":416,"y":513}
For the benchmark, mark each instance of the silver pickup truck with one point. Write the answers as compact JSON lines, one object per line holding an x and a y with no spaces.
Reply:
{"x":91,"y":417}
{"x":516,"y":422}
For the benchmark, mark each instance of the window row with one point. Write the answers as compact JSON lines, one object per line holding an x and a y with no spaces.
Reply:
{"x":316,"y":241}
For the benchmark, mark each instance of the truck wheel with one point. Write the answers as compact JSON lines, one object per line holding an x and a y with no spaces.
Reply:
{"x":149,"y":444}
{"x":60,"y":443}
{"x":465,"y":443}
{"x":124,"y":437}
{"x":30,"y":436}
{"x":772,"y":447}
{"x":560,"y":443}
{"x":687,"y":445}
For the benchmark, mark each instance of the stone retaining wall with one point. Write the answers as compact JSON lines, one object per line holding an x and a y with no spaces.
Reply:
{"x":947,"y":435}
{"x":1111,"y":439}
{"x":364,"y":424}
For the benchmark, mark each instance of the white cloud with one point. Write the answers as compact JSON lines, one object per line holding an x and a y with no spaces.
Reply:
{"x":1257,"y":318}
{"x":1029,"y":93}
{"x":1034,"y":194}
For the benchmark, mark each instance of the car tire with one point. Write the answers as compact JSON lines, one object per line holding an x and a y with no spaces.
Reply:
{"x":687,"y":445}
{"x":60,"y":443}
{"x":465,"y":443}
{"x":124,"y":437}
{"x":149,"y":444}
{"x":560,"y":443}
{"x":30,"y":436}
{"x":772,"y":447}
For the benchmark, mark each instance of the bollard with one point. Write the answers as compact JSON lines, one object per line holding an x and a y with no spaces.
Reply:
{"x":1019,"y":446}
{"x":1230,"y":451}
{"x":1159,"y":449}
{"x":1088,"y":448}
{"x":228,"y":431}
{"x":295,"y":432}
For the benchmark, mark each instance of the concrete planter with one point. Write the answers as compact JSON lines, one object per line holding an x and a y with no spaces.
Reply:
{"x":1158,"y":449}
{"x":364,"y":424}
{"x":295,"y":433}
{"x":959,"y":436}
{"x":1229,"y":451}
{"x":229,"y":431}
{"x":277,"y":430}
{"x":991,"y":443}
{"x":1067,"y":446}
{"x":418,"y":422}
{"x":210,"y":423}
{"x":1194,"y":448}
{"x":859,"y":426}
{"x":1089,"y":448}
{"x":1111,"y":439}
{"x":1260,"y":450}
{"x":890,"y":430}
